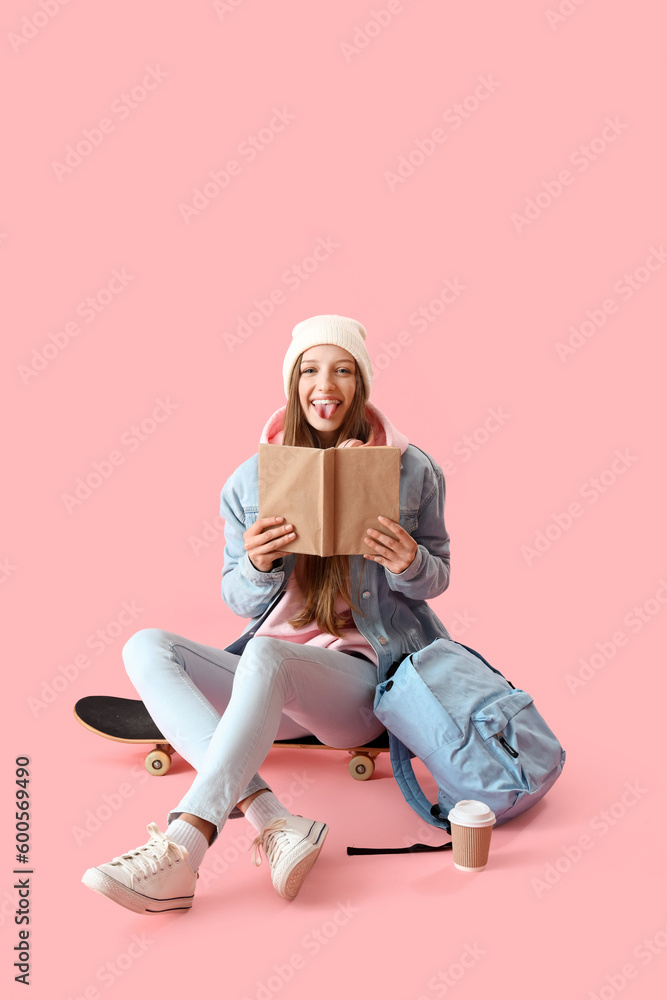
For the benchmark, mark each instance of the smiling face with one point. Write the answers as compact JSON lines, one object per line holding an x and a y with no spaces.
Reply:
{"x":327,"y":385}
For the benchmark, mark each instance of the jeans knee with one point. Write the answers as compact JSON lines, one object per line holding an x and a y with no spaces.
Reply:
{"x":267,"y":645}
{"x":263,"y":652}
{"x":139,"y":651}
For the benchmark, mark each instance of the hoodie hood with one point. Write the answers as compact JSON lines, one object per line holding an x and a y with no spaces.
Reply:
{"x":383,"y":431}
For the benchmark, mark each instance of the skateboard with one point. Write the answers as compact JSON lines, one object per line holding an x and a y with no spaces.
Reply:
{"x":126,"y":720}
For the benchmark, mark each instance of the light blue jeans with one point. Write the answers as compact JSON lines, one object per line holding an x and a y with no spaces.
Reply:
{"x":222,"y":711}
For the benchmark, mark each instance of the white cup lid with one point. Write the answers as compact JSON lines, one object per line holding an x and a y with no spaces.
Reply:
{"x":471,"y":812}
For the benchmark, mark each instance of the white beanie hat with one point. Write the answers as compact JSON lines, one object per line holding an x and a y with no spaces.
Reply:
{"x":339,"y":330}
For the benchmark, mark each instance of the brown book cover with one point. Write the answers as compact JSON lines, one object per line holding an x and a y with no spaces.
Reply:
{"x":330,"y":495}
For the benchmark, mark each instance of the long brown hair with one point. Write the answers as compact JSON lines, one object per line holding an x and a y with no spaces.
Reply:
{"x":323,"y":578}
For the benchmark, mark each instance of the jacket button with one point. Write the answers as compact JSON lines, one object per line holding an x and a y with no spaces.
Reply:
{"x":366,"y":593}
{"x":389,"y":685}
{"x":382,"y":640}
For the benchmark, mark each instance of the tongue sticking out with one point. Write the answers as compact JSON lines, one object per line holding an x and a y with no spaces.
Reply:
{"x":325,"y":410}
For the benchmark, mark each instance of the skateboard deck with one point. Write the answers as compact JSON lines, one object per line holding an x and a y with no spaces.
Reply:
{"x":126,"y":720}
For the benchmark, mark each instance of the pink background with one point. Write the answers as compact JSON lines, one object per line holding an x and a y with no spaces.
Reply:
{"x":547,"y":916}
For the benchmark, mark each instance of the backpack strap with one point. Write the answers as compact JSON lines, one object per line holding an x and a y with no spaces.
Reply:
{"x":414,"y":849}
{"x":407,"y":781}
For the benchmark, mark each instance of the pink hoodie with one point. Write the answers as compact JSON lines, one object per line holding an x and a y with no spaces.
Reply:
{"x":277,"y":624}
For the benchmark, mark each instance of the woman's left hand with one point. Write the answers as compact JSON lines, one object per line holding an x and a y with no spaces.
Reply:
{"x":395,"y":554}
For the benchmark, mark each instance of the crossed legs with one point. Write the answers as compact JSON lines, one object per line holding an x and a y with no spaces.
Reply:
{"x":222,"y":711}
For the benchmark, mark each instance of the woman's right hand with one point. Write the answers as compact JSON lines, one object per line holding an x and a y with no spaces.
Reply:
{"x":263,"y":539}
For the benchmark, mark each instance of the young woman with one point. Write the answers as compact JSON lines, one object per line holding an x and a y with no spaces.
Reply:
{"x":324,"y":632}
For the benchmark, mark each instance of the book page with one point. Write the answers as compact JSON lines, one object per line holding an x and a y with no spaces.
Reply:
{"x":291,"y":486}
{"x":367,"y":484}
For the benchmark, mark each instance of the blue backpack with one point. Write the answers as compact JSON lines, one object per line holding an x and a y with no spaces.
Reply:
{"x":478,"y":735}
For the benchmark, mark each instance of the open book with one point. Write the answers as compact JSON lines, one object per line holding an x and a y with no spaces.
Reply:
{"x":330,"y":495}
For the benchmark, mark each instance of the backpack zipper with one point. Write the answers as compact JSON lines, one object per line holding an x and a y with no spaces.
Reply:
{"x":505,"y":745}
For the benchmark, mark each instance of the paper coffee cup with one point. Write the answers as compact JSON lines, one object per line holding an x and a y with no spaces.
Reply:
{"x":471,"y":823}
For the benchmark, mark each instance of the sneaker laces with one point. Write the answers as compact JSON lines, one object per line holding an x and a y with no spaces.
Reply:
{"x":146,"y":860}
{"x":269,"y":839}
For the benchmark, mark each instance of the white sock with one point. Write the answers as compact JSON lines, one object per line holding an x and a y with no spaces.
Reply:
{"x":187,"y":835}
{"x":264,"y":808}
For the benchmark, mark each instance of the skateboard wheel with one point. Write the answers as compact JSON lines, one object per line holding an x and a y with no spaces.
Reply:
{"x":157,"y":762}
{"x":361,"y":767}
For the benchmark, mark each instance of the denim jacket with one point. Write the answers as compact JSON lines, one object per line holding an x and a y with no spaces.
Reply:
{"x":396,"y":619}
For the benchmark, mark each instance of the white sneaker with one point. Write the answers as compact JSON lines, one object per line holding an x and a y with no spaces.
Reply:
{"x":291,"y":845}
{"x":152,"y":879}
